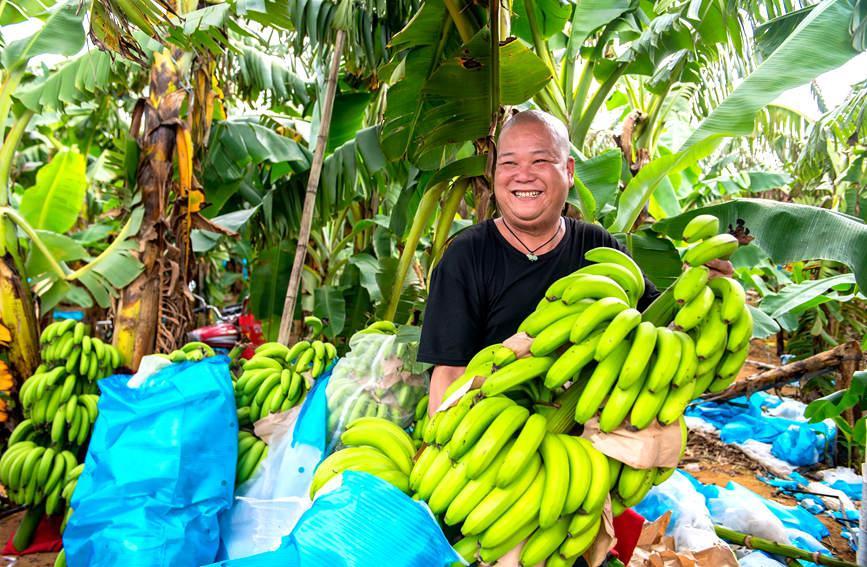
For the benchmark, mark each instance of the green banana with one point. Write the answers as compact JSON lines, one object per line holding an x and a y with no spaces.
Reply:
{"x":732,"y":297}
{"x":553,"y":336}
{"x":491,"y":554}
{"x":365,"y":459}
{"x":475,"y":490}
{"x":575,"y":545}
{"x":523,"y":449}
{"x":666,"y":360}
{"x":494,"y":439}
{"x":621,"y":275}
{"x":741,"y":330}
{"x":544,"y":542}
{"x":448,"y":488}
{"x":498,"y":500}
{"x":528,"y":506}
{"x":454,"y":415}
{"x":570,"y":363}
{"x":605,"y":254}
{"x":693,"y":313}
{"x":599,"y":485}
{"x":504,"y":356}
{"x":555,"y":462}
{"x":620,"y":326}
{"x":675,"y":403}
{"x":631,"y":481}
{"x":712,"y":334}
{"x":433,"y":475}
{"x":619,"y":404}
{"x":475,"y":423}
{"x":588,"y":286}
{"x":539,"y":319}
{"x":688,"y":364}
{"x":603,"y":378}
{"x":602,"y":310}
{"x":643,"y":344}
{"x":428,"y":454}
{"x":710,"y":363}
{"x":690,"y":283}
{"x":384,"y":435}
{"x":715,"y":247}
{"x":731,"y":363}
{"x":579,"y":474}
{"x":700,"y":227}
{"x":647,"y":405}
{"x":515,"y":374}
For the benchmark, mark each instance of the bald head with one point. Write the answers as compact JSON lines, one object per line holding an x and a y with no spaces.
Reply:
{"x":556,"y":128}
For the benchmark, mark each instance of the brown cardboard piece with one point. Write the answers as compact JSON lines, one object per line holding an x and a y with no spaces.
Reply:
{"x":276,"y":425}
{"x":657,"y":549}
{"x":605,"y":539}
{"x":655,"y":446}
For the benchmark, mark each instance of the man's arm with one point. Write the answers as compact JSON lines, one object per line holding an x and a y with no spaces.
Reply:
{"x":441,"y":378}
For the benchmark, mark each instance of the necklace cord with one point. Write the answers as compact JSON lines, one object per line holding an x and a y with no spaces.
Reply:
{"x":533,"y":251}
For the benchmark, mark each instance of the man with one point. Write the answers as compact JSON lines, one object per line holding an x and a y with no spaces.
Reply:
{"x":493,"y":274}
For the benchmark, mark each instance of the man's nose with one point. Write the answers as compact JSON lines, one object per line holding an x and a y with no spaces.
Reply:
{"x":525,"y":172}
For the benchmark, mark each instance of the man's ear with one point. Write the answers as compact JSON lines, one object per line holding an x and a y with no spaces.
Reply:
{"x":570,"y":167}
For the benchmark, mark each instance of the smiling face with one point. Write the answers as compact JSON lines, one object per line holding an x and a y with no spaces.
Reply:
{"x":533,"y":176}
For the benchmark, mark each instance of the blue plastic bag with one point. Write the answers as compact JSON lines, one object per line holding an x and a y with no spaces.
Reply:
{"x":267,"y":507}
{"x":366,"y":522}
{"x":159,"y":469}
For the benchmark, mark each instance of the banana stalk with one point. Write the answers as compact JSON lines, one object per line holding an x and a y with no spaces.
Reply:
{"x":446,"y":218}
{"x":426,"y":209}
{"x":762,"y":544}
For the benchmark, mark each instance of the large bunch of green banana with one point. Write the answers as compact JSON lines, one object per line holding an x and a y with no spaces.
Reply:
{"x":377,"y":378}
{"x":592,"y":350}
{"x":373,"y":445}
{"x":192,"y":352}
{"x":251,"y":452}
{"x":68,"y":344}
{"x":273,"y":379}
{"x":33,"y":474}
{"x":498,"y":472}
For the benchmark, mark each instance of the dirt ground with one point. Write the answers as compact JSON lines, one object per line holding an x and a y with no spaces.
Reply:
{"x":719,"y":463}
{"x":7,"y":528}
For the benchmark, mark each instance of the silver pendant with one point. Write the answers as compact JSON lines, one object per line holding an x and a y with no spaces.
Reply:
{"x":532,"y":257}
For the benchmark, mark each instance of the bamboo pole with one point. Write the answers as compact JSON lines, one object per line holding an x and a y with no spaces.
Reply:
{"x":762,"y":544}
{"x":310,"y":196}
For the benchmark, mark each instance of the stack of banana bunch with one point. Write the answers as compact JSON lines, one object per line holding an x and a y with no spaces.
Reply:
{"x":192,"y":351}
{"x":33,"y":474}
{"x":357,"y":388}
{"x":373,"y":445}
{"x":251,"y":452}
{"x":714,"y":312}
{"x":273,"y":379}
{"x":60,"y":407}
{"x":67,"y":344}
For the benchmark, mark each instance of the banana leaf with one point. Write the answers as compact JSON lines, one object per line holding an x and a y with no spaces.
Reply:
{"x":58,"y":196}
{"x":61,"y":34}
{"x":788,"y":232}
{"x":822,"y":41}
{"x":330,"y":306}
{"x":795,"y":298}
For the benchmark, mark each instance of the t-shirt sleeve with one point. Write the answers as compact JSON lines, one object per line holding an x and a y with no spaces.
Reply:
{"x":453,"y":313}
{"x":650,"y":291}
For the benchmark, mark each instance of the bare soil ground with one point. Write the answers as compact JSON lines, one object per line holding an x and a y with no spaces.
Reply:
{"x":720,"y":463}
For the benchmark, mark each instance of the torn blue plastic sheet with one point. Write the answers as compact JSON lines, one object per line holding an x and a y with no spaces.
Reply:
{"x":794,"y":441}
{"x":365,"y":522}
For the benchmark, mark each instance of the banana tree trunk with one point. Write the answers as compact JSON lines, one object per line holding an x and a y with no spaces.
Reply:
{"x":140,"y":311}
{"x":17,"y":309}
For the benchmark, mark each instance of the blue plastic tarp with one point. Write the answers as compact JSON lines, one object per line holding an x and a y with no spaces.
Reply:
{"x":797,"y":442}
{"x":159,"y":469}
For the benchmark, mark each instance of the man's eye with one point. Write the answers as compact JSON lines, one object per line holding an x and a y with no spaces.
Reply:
{"x":540,"y":160}
{"x":509,"y":163}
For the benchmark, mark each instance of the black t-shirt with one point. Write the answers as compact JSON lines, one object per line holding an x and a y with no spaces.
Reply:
{"x":483,"y":288}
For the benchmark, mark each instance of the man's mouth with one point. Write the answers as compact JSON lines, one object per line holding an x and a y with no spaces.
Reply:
{"x":526,"y":194}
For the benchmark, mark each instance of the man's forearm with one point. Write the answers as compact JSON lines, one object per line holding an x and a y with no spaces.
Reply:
{"x":441,"y":378}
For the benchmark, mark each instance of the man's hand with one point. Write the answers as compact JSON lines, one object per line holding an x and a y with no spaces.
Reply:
{"x":441,"y":378}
